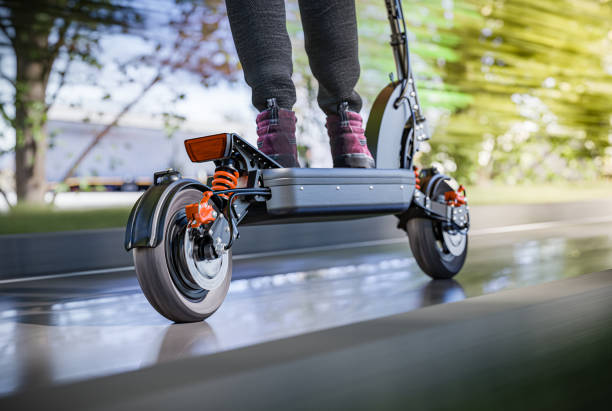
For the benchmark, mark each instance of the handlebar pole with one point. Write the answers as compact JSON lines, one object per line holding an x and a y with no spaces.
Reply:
{"x":401,"y":54}
{"x":399,"y":40}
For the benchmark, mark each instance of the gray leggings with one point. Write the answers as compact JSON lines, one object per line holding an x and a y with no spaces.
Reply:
{"x":330,"y":31}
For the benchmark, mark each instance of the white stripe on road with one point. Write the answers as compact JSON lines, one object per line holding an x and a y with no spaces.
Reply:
{"x":540,"y":226}
{"x":73,"y":274}
{"x":482,"y":231}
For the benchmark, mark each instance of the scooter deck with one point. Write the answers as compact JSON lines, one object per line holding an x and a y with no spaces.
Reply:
{"x":310,"y":194}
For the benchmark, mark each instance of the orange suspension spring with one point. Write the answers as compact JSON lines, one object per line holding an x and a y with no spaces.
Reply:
{"x":417,"y":179}
{"x":225,"y":178}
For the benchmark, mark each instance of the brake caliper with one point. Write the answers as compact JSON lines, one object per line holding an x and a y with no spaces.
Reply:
{"x":202,"y":212}
{"x":456,"y":198}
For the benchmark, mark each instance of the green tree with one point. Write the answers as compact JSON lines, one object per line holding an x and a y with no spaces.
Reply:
{"x":45,"y":37}
{"x":197,"y":43}
{"x":36,"y":33}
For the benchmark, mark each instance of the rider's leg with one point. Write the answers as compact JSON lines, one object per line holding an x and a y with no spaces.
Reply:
{"x":330,"y":32}
{"x":260,"y":35}
{"x":263,"y":46}
{"x":330,"y":37}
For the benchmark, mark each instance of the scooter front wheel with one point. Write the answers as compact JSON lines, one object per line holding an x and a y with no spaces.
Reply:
{"x":439,"y":250}
{"x":178,"y":285}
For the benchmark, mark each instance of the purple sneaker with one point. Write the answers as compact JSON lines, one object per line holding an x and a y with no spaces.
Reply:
{"x":347,"y":139}
{"x":276,"y":131}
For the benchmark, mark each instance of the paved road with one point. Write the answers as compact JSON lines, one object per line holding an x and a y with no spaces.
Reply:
{"x":67,"y":330}
{"x":541,"y":347}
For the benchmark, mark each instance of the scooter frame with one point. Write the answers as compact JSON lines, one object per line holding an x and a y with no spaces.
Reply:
{"x":144,"y":228}
{"x":267,"y":193}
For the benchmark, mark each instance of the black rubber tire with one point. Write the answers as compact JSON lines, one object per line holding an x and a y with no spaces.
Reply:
{"x":156,"y":281}
{"x":425,"y":239}
{"x":427,"y":253}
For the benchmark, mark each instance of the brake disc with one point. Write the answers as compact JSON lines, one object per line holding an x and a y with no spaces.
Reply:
{"x":207,"y":273}
{"x":454,"y":242}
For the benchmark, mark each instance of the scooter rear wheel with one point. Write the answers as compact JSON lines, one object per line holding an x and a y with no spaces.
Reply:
{"x":439,"y":251}
{"x":169,"y":282}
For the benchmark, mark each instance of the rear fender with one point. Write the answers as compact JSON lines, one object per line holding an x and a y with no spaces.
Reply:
{"x":145,"y":226}
{"x":385,"y":127}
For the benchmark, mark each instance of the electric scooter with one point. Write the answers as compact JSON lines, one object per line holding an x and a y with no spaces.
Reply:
{"x":181,"y":230}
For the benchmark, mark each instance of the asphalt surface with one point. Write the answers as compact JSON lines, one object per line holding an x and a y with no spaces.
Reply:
{"x":95,"y":340}
{"x":541,"y":347}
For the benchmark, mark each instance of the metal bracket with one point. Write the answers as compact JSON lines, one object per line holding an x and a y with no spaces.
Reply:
{"x":457,"y":216}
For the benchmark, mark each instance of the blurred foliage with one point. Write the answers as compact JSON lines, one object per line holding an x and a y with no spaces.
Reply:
{"x":33,"y":35}
{"x":43,"y":41}
{"x":516,"y":90}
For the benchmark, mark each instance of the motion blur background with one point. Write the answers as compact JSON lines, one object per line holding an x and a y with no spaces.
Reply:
{"x":96,"y":95}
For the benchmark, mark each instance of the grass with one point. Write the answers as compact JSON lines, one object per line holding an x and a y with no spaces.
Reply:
{"x":539,"y":193}
{"x":38,"y":220}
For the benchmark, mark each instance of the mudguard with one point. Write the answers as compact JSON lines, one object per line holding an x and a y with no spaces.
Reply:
{"x":146,"y":222}
{"x":385,"y":127}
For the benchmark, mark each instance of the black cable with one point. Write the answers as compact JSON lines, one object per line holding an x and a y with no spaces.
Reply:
{"x":407,"y":78}
{"x":244,"y":191}
{"x":401,"y":12}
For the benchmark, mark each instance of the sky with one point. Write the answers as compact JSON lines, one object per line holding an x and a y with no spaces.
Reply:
{"x":205,"y":108}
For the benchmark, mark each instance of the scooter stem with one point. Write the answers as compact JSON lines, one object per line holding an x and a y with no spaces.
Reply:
{"x":401,"y":54}
{"x":399,"y":40}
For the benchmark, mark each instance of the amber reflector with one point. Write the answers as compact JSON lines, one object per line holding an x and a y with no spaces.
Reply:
{"x":206,"y":148}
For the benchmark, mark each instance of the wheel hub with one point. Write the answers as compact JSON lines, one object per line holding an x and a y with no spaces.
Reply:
{"x":207,"y":273}
{"x":454,"y":241}
{"x":196,"y":264}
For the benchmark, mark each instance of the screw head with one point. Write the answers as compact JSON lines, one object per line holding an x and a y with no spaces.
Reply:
{"x":337,"y":187}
